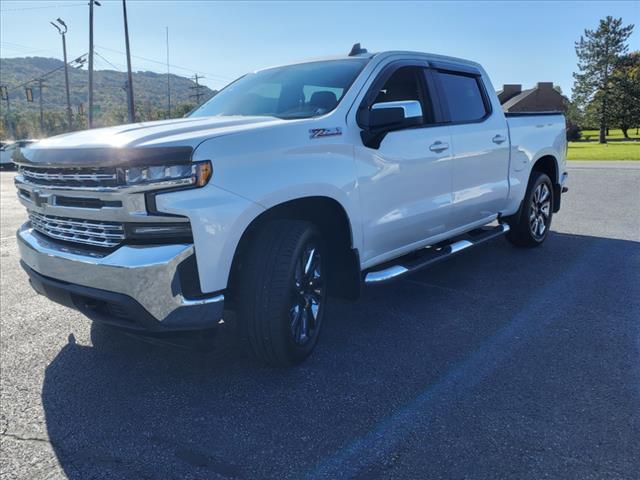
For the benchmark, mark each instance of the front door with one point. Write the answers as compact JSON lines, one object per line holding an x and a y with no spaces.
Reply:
{"x":405,"y":184}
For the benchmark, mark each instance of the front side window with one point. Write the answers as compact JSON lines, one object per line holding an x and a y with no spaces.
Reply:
{"x":295,"y":91}
{"x":406,"y":84}
{"x":463,"y":96}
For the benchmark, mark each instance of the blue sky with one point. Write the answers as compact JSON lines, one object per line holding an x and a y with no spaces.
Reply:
{"x":517,"y":42}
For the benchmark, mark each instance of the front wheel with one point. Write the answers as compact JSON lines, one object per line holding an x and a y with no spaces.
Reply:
{"x":531,"y":227}
{"x":282,"y":291}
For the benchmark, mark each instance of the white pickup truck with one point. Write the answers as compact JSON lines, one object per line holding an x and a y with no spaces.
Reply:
{"x":292,"y":185}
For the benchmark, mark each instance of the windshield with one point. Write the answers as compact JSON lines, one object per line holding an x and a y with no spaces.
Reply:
{"x":295,"y":91}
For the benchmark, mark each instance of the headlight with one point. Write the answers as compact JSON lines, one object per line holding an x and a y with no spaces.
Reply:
{"x":196,"y":174}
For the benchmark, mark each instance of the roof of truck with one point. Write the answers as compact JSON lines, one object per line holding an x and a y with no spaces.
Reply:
{"x":387,"y":53}
{"x":434,"y":56}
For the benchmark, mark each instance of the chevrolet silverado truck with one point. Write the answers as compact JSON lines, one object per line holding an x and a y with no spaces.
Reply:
{"x":291,"y":186}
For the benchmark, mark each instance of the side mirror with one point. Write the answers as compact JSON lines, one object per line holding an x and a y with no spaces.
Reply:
{"x":394,"y":115}
{"x":386,"y":117}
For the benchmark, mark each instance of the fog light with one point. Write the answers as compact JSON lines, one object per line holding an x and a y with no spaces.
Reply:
{"x":159,"y":231}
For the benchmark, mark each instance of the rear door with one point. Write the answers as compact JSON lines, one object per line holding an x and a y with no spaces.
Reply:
{"x":480,"y":145}
{"x":404,"y":183}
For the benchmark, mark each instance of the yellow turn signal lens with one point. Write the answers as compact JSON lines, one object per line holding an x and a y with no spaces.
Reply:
{"x":204,"y":170}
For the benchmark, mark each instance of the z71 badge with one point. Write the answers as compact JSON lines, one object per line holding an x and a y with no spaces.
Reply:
{"x":324,"y":132}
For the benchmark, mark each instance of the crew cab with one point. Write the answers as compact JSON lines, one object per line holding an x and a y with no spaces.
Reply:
{"x":293,"y":185}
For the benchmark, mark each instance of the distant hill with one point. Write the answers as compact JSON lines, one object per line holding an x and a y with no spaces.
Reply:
{"x":150,"y":89}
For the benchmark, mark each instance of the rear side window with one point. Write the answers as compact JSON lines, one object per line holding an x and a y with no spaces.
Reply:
{"x":464,"y":97}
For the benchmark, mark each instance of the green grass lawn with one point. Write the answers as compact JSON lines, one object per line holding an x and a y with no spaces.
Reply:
{"x":617,"y":148}
{"x":614,"y":134}
{"x":606,"y":151}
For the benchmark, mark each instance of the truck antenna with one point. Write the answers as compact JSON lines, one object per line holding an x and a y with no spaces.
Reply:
{"x":357,"y":50}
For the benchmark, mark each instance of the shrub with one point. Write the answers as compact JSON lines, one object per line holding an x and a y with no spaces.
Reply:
{"x":573,"y":133}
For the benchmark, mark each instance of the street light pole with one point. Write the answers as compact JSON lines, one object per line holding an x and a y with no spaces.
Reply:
{"x":62,"y":31}
{"x":90,"y":110}
{"x":132,"y":112}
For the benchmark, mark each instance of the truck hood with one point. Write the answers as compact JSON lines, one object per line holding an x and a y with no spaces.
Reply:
{"x":137,"y":142}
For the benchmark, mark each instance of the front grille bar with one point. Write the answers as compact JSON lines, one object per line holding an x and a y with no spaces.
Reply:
{"x":94,"y":177}
{"x":103,"y":234}
{"x":70,"y":177}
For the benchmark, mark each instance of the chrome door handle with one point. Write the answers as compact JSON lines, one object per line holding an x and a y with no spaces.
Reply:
{"x":439,"y":146}
{"x":498,"y":139}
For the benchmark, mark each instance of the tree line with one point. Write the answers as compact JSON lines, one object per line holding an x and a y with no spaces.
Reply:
{"x":26,"y":124}
{"x":606,"y":92}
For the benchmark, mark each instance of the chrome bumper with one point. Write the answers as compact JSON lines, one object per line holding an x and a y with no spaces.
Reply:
{"x":147,"y":274}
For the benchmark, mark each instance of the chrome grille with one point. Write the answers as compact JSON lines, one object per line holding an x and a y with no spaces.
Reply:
{"x":88,"y":232}
{"x":71,"y":177}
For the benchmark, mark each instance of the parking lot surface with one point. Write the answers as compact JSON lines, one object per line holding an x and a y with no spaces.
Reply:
{"x":501,"y":363}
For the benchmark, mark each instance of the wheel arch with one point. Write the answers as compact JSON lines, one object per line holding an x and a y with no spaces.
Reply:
{"x":548,"y":164}
{"x":332,"y":219}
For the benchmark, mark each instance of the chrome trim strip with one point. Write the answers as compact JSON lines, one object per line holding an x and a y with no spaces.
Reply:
{"x":133,"y":207}
{"x":145,"y":273}
{"x":460,"y":245}
{"x":385,"y":274}
{"x":202,"y":301}
{"x":411,"y":108}
{"x":20,"y":180}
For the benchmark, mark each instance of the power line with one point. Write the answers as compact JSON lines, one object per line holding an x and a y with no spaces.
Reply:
{"x":44,"y":75}
{"x":159,"y":62}
{"x":107,"y":61}
{"x":4,"y":10}
{"x":12,"y":46}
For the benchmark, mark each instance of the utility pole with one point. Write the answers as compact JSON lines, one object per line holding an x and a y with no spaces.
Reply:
{"x":197,"y":88}
{"x":40,"y":85}
{"x":5,"y":96}
{"x":90,"y":110}
{"x":132,"y":111}
{"x":168,"y":79}
{"x":63,"y":31}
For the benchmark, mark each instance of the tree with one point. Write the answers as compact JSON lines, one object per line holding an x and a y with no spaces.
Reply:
{"x":625,"y":93}
{"x":598,"y":52}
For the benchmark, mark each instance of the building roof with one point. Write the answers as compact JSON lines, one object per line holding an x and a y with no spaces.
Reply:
{"x":518,"y":98}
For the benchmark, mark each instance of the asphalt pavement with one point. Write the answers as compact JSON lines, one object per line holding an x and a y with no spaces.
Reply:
{"x":501,"y":363}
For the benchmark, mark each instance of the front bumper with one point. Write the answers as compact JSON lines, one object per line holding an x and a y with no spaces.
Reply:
{"x":136,"y":287}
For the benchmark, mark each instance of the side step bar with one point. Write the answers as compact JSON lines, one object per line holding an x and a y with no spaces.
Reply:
{"x":432,"y":254}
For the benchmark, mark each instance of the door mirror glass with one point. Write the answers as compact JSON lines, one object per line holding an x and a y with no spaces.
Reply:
{"x":393,"y":115}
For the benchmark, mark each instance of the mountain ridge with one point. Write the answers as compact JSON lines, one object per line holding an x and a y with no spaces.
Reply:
{"x":150,"y":90}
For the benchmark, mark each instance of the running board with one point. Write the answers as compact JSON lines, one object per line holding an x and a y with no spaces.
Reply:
{"x":432,"y":254}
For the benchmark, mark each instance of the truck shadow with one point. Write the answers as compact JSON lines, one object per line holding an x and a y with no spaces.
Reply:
{"x":122,"y":408}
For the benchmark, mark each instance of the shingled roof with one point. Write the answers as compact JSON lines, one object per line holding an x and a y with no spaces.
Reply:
{"x":542,"y":97}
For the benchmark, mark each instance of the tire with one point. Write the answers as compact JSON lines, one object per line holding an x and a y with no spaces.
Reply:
{"x":281,"y":291}
{"x":531,"y":226}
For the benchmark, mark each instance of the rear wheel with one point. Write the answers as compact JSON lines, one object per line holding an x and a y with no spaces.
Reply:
{"x":281,"y":291}
{"x":531,"y":227}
